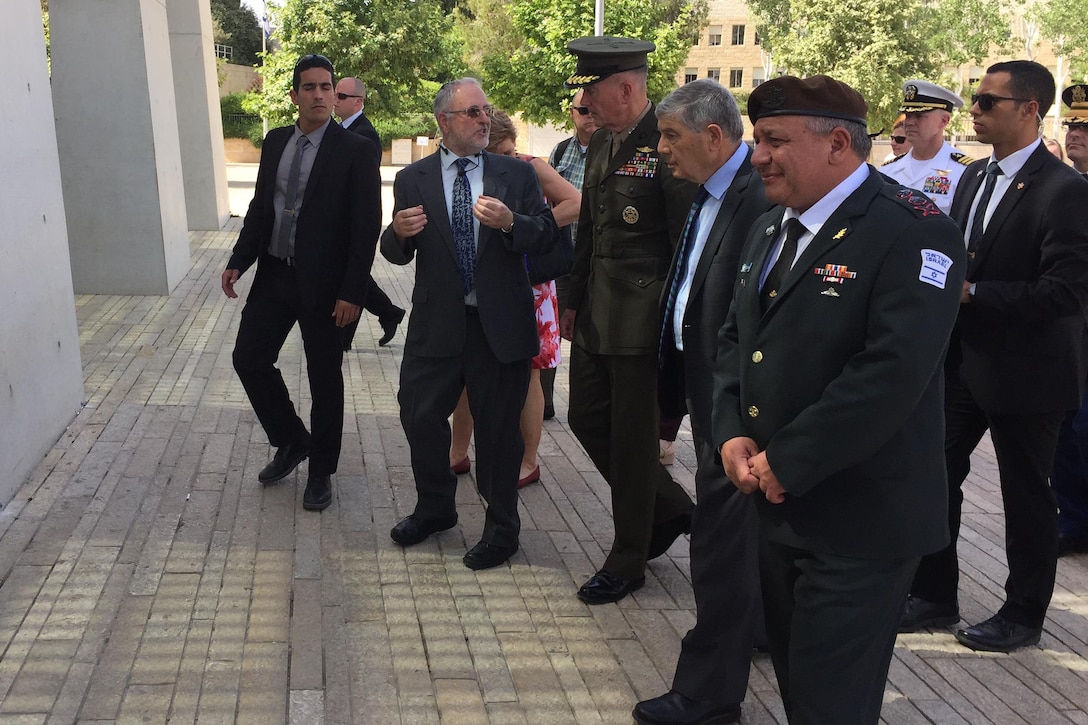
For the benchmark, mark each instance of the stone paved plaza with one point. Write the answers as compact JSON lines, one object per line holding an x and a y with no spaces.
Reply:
{"x":149,"y":578}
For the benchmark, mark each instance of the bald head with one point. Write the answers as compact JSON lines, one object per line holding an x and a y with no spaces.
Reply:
{"x":350,"y":94}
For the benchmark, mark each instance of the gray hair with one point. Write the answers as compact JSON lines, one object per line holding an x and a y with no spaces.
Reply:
{"x":701,"y":103}
{"x":445,"y":93}
{"x":859,"y":134}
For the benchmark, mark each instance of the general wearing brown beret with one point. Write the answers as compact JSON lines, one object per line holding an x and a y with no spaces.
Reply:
{"x":814,"y":96}
{"x":605,"y":55}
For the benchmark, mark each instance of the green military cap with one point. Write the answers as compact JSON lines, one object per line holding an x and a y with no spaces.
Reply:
{"x":818,"y":95}
{"x":604,"y":55}
{"x":920,"y":96}
{"x":1076,"y":98}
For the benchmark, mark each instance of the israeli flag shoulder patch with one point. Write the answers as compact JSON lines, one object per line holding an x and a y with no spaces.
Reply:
{"x":935,"y":266}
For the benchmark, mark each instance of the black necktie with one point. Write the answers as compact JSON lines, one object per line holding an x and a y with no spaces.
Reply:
{"x":977,"y":221}
{"x":463,"y":228}
{"x":777,"y":275}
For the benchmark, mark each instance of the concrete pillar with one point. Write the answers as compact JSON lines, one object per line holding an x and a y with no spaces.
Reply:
{"x":41,"y":381}
{"x":200,"y":123}
{"x":117,"y":134}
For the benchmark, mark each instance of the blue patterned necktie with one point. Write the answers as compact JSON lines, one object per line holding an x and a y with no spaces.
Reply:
{"x":686,"y":239}
{"x":979,"y":219}
{"x":463,"y":231}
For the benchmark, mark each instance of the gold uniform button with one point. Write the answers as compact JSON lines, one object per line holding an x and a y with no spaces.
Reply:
{"x":753,"y":411}
{"x":757,"y":357}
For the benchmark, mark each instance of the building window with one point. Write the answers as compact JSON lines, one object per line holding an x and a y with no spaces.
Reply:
{"x":225,"y":52}
{"x":691,"y":74}
{"x":736,"y":77}
{"x":757,"y":76}
{"x":715,"y":73}
{"x":738,"y":35}
{"x":715,"y":35}
{"x":756,"y":38}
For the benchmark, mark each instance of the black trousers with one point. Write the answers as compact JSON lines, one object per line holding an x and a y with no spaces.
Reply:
{"x":377,"y":303}
{"x":1069,"y":480}
{"x":429,"y":390}
{"x":613,"y":413}
{"x":271,"y":310}
{"x":1024,"y":445}
{"x":831,"y":626}
{"x":716,"y":653}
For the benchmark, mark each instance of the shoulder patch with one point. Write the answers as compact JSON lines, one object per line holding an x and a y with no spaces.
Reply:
{"x":962,"y":159}
{"x":918,"y":202}
{"x":892,"y":161}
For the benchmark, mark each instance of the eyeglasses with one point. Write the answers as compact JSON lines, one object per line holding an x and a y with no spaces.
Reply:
{"x":582,"y":110}
{"x":475,"y":111}
{"x":987,"y":101}
{"x":899,"y":139}
{"x":346,"y":96}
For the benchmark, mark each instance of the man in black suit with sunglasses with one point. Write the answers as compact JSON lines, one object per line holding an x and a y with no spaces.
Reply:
{"x":1014,"y":364}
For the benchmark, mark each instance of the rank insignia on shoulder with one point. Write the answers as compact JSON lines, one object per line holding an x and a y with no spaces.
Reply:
{"x":894,"y":159}
{"x":921,"y":203}
{"x":962,"y":159}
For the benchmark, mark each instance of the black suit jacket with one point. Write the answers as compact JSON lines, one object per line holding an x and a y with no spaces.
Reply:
{"x":691,"y":388}
{"x":365,"y":128}
{"x":1018,"y":342}
{"x":504,"y":296}
{"x":337,"y":225}
{"x":840,"y":382}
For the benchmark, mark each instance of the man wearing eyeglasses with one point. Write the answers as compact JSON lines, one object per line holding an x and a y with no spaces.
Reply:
{"x":467,"y":218}
{"x":350,"y":96}
{"x":932,"y":165}
{"x":633,"y":210}
{"x":311,"y":229}
{"x":1014,"y":364}
{"x":569,"y":159}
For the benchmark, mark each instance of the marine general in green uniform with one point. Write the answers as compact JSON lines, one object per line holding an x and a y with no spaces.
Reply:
{"x":633,"y":211}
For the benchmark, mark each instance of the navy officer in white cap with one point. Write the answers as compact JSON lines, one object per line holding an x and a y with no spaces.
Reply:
{"x":932,"y":166}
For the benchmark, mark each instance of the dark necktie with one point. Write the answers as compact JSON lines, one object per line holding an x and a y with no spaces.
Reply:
{"x":777,"y":275}
{"x":282,"y":246}
{"x":687,"y":237}
{"x":977,"y":221}
{"x":463,"y":232}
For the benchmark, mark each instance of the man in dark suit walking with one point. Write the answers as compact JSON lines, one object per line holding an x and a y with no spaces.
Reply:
{"x":311,"y":228}
{"x":350,"y":96}
{"x":633,"y":211}
{"x":467,"y":218}
{"x":701,"y":134}
{"x":827,"y":394}
{"x":1015,"y":365}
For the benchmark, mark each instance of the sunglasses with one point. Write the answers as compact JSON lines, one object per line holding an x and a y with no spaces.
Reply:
{"x":987,"y":101}
{"x":899,"y":139}
{"x":582,"y":110}
{"x":475,"y":111}
{"x":312,"y":56}
{"x":346,"y":96}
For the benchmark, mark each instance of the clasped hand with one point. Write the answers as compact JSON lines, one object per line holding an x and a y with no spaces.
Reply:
{"x":747,"y":467}
{"x":491,"y":212}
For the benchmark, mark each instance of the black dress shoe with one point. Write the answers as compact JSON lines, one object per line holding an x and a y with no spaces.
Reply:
{"x":412,"y":530}
{"x":318,"y":493}
{"x":389,"y":326}
{"x":286,"y":460}
{"x":604,"y":587}
{"x":673,"y":708}
{"x":998,"y":634}
{"x":488,"y":556}
{"x":920,"y":613}
{"x":1072,"y":544}
{"x":549,"y":411}
{"x":665,"y":533}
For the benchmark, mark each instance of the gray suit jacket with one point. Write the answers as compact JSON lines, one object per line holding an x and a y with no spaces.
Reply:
{"x":504,"y":297}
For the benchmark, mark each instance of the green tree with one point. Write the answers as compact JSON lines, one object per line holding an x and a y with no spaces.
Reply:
{"x":394,"y":46}
{"x":235,"y":25}
{"x":874,"y":45}
{"x":523,"y":64}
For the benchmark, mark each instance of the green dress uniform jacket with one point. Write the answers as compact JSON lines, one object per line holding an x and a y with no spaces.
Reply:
{"x":841,"y":381}
{"x":633,"y":211}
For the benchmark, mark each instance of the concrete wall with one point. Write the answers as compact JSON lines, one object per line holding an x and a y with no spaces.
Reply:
{"x":41,"y":383}
{"x":117,"y":135}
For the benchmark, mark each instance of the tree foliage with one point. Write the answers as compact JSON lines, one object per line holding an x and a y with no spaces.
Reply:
{"x":394,"y":46}
{"x":520,"y":46}
{"x":236,"y":25}
{"x":874,"y":45}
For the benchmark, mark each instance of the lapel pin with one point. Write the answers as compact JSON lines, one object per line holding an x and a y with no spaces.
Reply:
{"x":840,"y":234}
{"x":1020,"y":186}
{"x":746,"y":267}
{"x":769,"y":231}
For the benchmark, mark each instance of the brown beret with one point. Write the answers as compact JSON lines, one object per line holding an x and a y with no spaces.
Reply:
{"x":814,"y":96}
